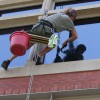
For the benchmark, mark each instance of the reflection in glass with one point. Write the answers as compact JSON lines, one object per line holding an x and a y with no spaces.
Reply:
{"x":87,"y":34}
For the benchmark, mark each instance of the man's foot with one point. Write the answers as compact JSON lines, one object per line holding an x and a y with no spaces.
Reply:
{"x":38,"y":62}
{"x":5,"y":64}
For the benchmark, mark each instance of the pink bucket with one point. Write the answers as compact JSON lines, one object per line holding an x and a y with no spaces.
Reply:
{"x":19,"y":42}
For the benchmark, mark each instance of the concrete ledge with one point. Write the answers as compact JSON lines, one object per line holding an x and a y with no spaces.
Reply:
{"x":83,"y":94}
{"x":30,"y":19}
{"x":30,"y":68}
{"x":13,"y":4}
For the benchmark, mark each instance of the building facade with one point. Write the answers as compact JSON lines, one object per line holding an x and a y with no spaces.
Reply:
{"x":77,"y":80}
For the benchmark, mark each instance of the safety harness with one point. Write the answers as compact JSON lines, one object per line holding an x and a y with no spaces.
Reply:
{"x":53,"y":38}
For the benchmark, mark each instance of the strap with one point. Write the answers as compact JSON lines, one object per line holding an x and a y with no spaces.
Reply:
{"x":47,"y":23}
{"x":35,"y":26}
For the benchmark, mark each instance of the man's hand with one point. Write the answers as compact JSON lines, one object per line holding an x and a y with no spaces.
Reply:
{"x":64,"y":45}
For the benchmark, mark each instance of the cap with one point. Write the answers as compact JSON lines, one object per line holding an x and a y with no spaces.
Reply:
{"x":73,"y":13}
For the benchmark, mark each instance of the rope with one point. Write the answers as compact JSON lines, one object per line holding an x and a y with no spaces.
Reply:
{"x":32,"y":75}
{"x":30,"y":86}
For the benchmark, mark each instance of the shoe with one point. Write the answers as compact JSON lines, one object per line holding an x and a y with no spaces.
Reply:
{"x":38,"y":62}
{"x":5,"y":64}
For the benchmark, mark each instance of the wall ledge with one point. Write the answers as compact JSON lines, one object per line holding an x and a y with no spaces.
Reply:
{"x":64,"y":67}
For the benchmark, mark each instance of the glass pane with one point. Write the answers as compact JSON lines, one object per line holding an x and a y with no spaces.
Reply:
{"x":77,"y":5}
{"x":34,"y":11}
{"x":87,"y":35}
{"x":5,"y":52}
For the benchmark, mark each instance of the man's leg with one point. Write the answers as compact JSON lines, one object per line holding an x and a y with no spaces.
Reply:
{"x":44,"y":51}
{"x":41,"y":53}
{"x":6,"y":63}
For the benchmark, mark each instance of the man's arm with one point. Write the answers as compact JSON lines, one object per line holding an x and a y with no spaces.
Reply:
{"x":72,"y":38}
{"x":71,"y":44}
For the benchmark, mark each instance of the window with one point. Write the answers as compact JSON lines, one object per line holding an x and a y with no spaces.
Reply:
{"x":75,"y":4}
{"x":5,"y":52}
{"x":88,"y":35}
{"x":5,"y":34}
{"x":88,"y":32}
{"x":21,"y":11}
{"x":34,"y":11}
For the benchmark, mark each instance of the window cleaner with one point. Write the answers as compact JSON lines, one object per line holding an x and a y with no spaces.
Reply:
{"x":60,"y":21}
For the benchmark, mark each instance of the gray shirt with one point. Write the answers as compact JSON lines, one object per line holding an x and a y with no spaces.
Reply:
{"x":61,"y":22}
